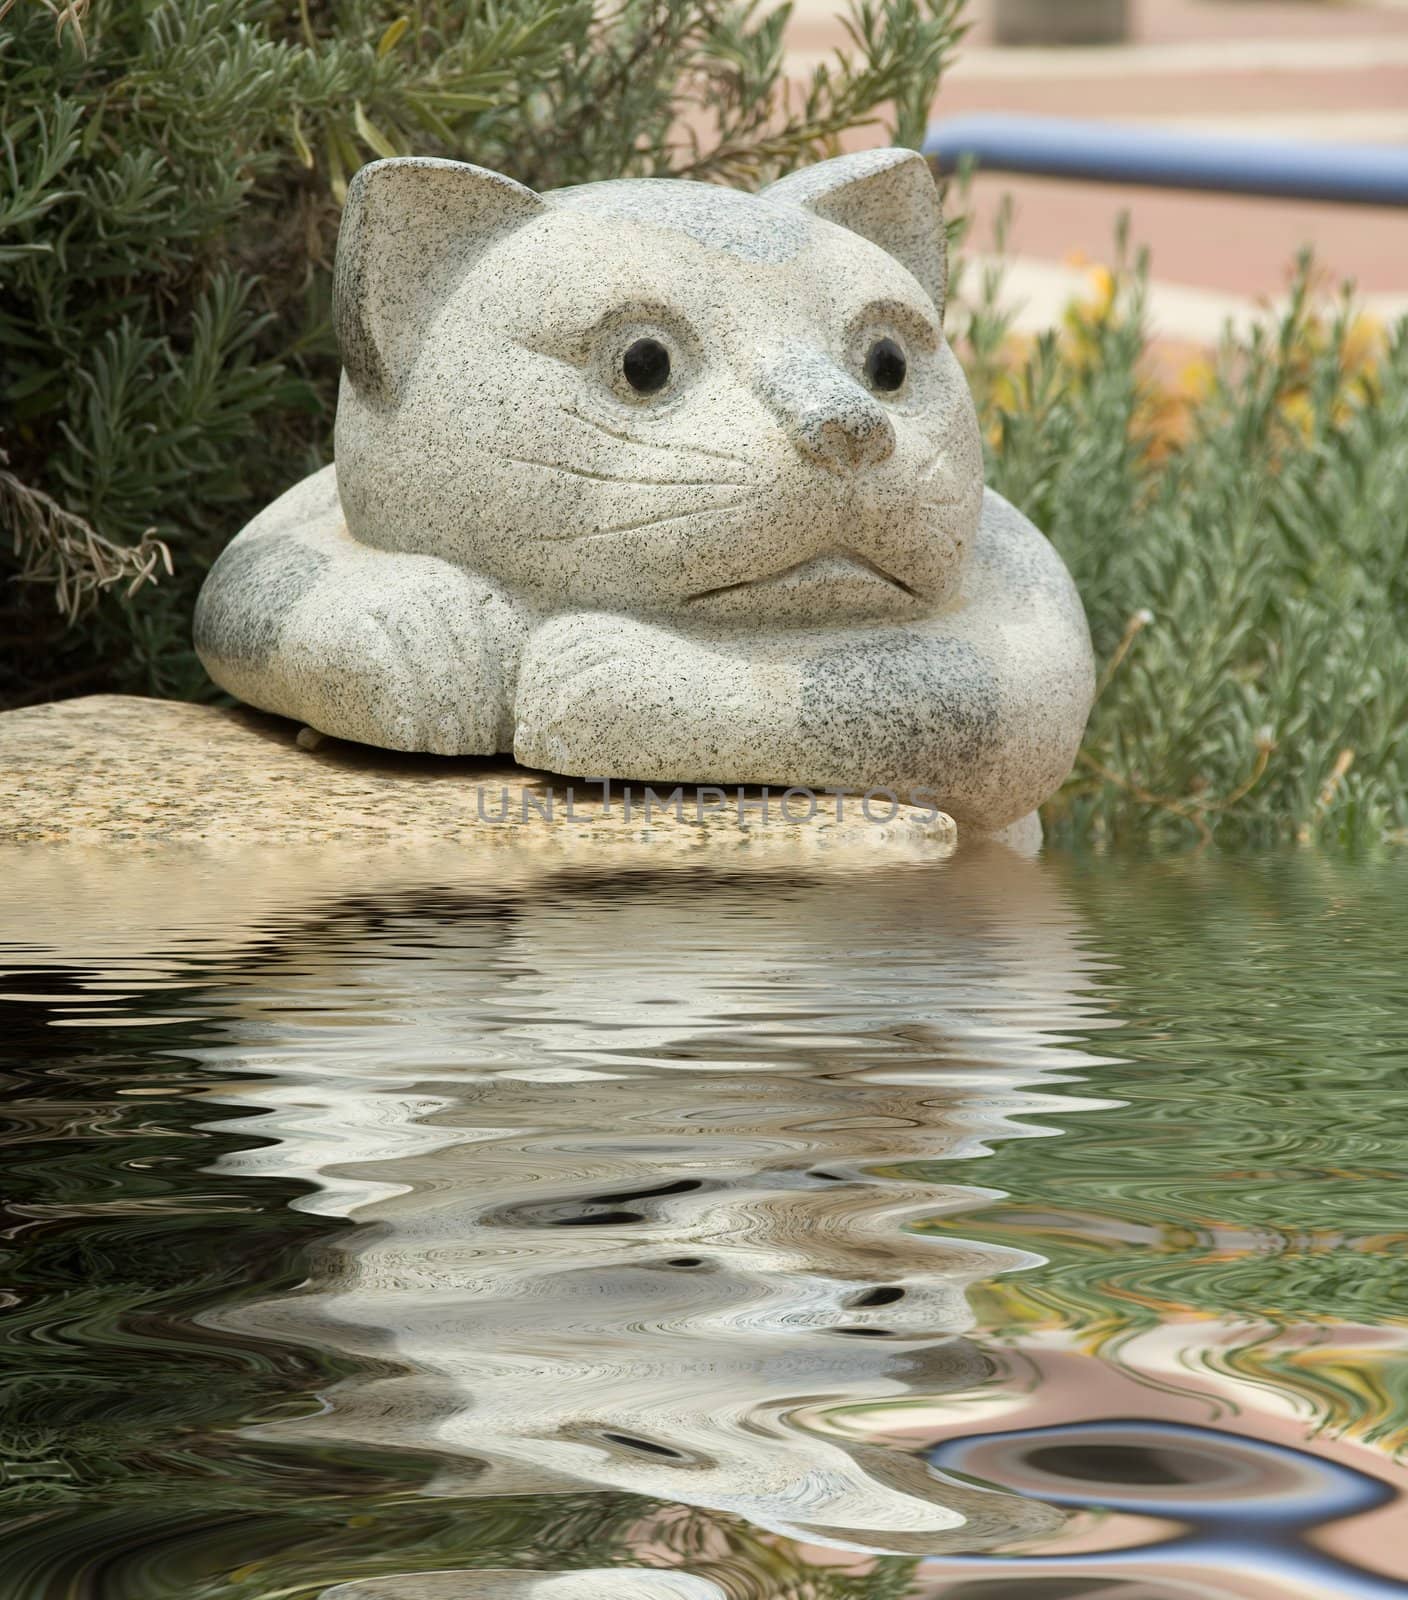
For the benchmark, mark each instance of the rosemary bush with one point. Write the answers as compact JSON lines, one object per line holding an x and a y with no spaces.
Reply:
{"x":1243,"y":556}
{"x":170,"y":178}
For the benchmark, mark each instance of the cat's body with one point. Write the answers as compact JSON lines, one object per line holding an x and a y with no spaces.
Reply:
{"x":664,"y":482}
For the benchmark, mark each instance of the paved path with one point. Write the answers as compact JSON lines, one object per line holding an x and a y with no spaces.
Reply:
{"x":1253,"y":67}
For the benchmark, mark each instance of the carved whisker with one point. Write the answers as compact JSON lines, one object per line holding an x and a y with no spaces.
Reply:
{"x":655,"y":522}
{"x":613,"y":477}
{"x":652,"y":444}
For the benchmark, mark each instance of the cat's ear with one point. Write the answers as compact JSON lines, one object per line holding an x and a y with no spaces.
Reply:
{"x":886,"y":196}
{"x":411,"y":228}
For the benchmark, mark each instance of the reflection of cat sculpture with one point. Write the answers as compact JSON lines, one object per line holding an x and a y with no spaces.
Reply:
{"x":600,"y":1583}
{"x":677,"y":1250}
{"x":661,"y":481}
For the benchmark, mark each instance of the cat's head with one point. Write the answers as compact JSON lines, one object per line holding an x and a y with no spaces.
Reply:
{"x":660,"y":396}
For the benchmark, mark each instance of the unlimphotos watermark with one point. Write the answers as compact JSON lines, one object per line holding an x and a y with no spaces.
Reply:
{"x":642,"y":803}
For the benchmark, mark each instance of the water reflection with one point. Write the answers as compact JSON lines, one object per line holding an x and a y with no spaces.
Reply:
{"x":604,"y":1583}
{"x":630,"y":1163}
{"x":731,"y":1233}
{"x":1209,"y":1502}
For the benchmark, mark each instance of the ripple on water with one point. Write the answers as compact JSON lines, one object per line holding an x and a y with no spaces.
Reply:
{"x":778,"y":1228}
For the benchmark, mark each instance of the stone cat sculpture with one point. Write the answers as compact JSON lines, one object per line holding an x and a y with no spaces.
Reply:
{"x":660,"y":481}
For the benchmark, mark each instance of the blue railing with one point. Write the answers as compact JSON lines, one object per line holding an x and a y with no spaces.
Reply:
{"x":1111,"y":152}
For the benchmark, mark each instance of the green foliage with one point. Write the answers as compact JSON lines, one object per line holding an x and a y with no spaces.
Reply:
{"x":170,"y":175}
{"x":1242,"y":556}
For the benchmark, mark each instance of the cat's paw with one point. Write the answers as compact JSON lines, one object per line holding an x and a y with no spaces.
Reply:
{"x":407,"y":659}
{"x":608,"y":694}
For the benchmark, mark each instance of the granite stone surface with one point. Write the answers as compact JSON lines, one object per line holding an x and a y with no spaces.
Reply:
{"x":113,"y":769}
{"x":666,"y":482}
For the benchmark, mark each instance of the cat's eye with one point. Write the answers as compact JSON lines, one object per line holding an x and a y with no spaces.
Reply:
{"x":646,"y":366}
{"x":885,"y":366}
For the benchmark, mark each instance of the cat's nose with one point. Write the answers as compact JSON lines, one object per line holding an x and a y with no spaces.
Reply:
{"x":828,"y":416}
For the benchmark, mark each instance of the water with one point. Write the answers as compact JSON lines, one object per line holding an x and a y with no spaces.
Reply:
{"x":981,"y":1229}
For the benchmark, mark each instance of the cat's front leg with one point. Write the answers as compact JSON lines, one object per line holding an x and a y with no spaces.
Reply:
{"x":920,"y":714}
{"x":605,"y":694}
{"x":406,"y":652}
{"x":410,"y":658}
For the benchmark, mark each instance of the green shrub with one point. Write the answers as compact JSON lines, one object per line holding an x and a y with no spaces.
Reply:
{"x":170,"y":175}
{"x":1243,"y":556}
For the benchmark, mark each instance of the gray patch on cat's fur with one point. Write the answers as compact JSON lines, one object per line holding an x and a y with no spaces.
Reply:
{"x":250,"y":590}
{"x":721,"y":219}
{"x":895,"y":694}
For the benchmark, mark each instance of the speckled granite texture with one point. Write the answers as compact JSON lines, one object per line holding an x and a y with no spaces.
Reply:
{"x":112,"y":769}
{"x":662,"y":481}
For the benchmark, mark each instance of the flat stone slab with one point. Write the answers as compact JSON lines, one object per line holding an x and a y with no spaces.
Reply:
{"x":122,"y":770}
